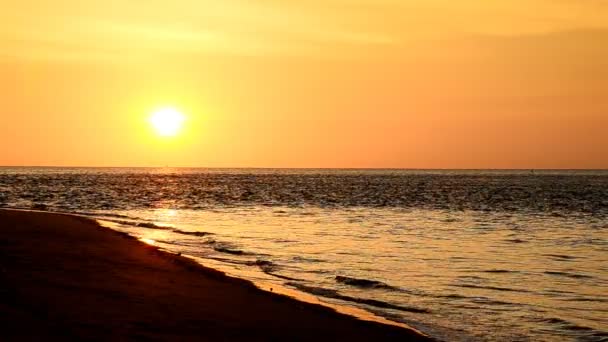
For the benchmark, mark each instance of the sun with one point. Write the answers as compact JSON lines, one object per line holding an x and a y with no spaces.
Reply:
{"x":167,"y":121}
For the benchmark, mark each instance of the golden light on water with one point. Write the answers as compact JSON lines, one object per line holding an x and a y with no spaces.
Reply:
{"x":167,"y":122}
{"x":148,"y":241}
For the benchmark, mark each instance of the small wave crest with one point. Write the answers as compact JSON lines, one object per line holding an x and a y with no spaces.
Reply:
{"x":452,"y":296}
{"x":568,"y":275}
{"x":148,"y":225}
{"x":184,"y":232}
{"x":496,"y":288}
{"x":561,"y":257}
{"x":329,"y":293}
{"x":475,"y":299}
{"x":516,"y":241}
{"x":364,"y":283}
{"x":264,"y":265}
{"x":499,"y":271}
{"x":152,"y":226}
{"x":270,"y":268}
{"x":229,"y":250}
{"x":300,"y":258}
{"x":562,"y":324}
{"x":586,"y":299}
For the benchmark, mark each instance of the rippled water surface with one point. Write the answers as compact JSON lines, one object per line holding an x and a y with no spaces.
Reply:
{"x":460,"y":255}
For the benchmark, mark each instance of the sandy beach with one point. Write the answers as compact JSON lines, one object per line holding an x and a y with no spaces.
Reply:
{"x":67,"y":277}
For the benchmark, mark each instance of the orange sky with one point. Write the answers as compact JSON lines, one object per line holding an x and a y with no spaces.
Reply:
{"x":318,"y":83}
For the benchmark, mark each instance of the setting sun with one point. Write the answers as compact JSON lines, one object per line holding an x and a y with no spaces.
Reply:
{"x":167,"y":122}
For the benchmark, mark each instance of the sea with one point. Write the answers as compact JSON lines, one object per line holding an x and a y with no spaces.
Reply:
{"x":461,"y":255}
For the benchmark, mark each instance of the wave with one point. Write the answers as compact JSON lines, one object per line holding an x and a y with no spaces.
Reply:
{"x":265,"y":265}
{"x":476,"y":299}
{"x":87,"y":213}
{"x":148,"y":225}
{"x":183,"y":232}
{"x":516,"y":241}
{"x":496,"y":288}
{"x":561,"y":257}
{"x":300,"y":258}
{"x":228,"y":261}
{"x":329,"y":293}
{"x":280,"y":276}
{"x":229,"y":250}
{"x":499,"y":271}
{"x":152,"y":226}
{"x":269,"y":268}
{"x":587,"y":299}
{"x":452,"y":296}
{"x":563,"y":324}
{"x":489,"y":301}
{"x":363,"y":283}
{"x":569,"y":275}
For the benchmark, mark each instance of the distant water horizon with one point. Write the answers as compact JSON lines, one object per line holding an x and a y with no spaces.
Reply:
{"x":298,"y":168}
{"x":488,"y":254}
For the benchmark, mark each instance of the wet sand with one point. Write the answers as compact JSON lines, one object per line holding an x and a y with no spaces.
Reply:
{"x":67,"y":277}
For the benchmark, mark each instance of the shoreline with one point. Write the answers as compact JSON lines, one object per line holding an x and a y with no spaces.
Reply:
{"x":266,"y":286}
{"x":89,"y":281}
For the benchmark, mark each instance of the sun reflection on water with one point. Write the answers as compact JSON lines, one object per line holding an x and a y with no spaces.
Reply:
{"x":148,"y":241}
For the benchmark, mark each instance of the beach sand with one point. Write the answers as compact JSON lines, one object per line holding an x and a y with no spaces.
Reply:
{"x":67,"y":277}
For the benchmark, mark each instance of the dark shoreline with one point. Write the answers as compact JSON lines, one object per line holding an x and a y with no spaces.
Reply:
{"x":67,"y":277}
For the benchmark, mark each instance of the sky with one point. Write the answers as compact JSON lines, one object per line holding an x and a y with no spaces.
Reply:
{"x":317,"y":83}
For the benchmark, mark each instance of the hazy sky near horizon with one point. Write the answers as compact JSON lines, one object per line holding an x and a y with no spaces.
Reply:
{"x":318,"y":83}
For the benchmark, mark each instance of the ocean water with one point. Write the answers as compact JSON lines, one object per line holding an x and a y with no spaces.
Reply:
{"x":461,"y":255}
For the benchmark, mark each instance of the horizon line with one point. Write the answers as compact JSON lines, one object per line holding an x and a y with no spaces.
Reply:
{"x":301,"y":168}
